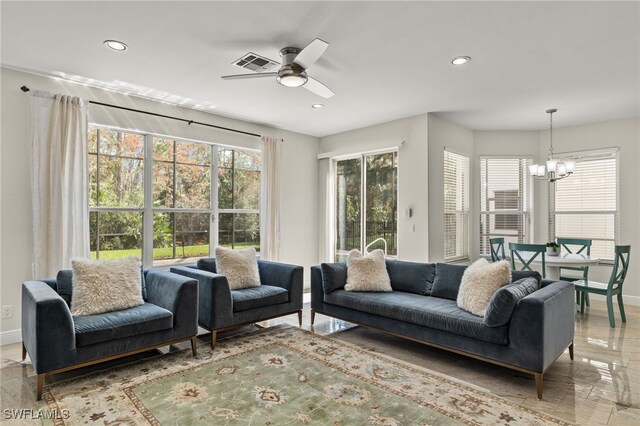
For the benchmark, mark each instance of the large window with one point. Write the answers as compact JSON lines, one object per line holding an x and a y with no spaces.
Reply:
{"x":170,"y":216}
{"x":456,"y":207}
{"x":366,"y":203}
{"x":584,"y":205}
{"x":506,"y":199}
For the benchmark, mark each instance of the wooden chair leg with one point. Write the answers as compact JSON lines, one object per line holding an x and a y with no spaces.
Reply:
{"x":300,"y":317}
{"x":571,"y":350}
{"x":612,"y":320}
{"x":24,"y":351}
{"x":214,"y":334}
{"x":313,"y":316}
{"x":39,"y":386}
{"x":538,"y":377}
{"x":621,"y":306}
{"x":194,"y":345}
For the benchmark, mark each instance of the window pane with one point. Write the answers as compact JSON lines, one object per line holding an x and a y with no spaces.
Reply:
{"x":162,"y":184}
{"x":225,"y":188}
{"x":93,"y":180}
{"x":163,"y":149}
{"x":456,"y":206}
{"x":115,"y":234}
{"x":225,"y":157}
{"x":182,"y":236}
{"x":193,"y":153}
{"x":92,"y":140}
{"x":193,"y":186}
{"x":245,"y":160}
{"x":348,"y":185}
{"x":239,"y":230}
{"x":112,"y":142}
{"x":247,"y":189}
{"x":120,"y":182}
{"x":382,"y":203}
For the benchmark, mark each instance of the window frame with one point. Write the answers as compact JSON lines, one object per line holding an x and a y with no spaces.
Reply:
{"x":602,"y":154}
{"x":465,"y":213}
{"x":526,"y":214}
{"x":148,"y":210}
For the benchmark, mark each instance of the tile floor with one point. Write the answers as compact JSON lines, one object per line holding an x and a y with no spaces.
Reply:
{"x":600,"y":387}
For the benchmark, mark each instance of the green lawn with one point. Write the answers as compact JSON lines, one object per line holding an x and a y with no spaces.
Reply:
{"x":166,"y":252}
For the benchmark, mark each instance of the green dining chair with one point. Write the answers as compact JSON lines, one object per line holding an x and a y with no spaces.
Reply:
{"x":577,"y":246}
{"x":497,"y":249}
{"x":527,"y":253}
{"x":613,"y":288}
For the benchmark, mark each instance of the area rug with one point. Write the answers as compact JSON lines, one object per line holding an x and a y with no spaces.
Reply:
{"x":279,"y":376}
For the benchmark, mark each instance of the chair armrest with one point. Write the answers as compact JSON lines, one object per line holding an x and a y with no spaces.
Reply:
{"x":543,"y":324}
{"x":215,"y":306}
{"x":317,"y":292}
{"x":177,"y":294}
{"x":47,"y":327}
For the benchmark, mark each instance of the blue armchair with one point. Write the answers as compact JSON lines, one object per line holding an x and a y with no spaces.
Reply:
{"x":221,"y":308}
{"x":56,"y":341}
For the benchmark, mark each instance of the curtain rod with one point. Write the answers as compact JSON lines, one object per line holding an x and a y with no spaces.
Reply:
{"x":26,"y":89}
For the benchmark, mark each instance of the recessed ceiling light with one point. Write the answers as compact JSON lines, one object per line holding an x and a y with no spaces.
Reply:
{"x":459,"y":60}
{"x":317,"y":106}
{"x":115,"y":45}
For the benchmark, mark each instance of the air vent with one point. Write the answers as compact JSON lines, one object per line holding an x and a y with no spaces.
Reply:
{"x":256,"y":63}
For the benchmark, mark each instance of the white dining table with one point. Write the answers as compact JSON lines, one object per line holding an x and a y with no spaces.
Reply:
{"x":554,"y":263}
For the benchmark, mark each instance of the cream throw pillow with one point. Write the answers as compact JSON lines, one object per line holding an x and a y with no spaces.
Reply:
{"x":100,"y":286}
{"x":479,"y":282}
{"x":239,"y":266}
{"x":367,"y":273}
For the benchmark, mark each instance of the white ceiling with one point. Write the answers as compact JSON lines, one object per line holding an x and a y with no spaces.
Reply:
{"x":386,"y":60}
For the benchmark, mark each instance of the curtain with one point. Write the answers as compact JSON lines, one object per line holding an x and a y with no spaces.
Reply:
{"x":270,"y":199}
{"x":326,"y":203}
{"x":59,"y":188}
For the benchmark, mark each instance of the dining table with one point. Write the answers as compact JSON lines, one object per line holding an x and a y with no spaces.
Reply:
{"x":563,"y":260}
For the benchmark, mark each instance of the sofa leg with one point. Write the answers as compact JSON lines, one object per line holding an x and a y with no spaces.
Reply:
{"x":214,"y":334}
{"x":194,"y":345}
{"x":39,"y":386}
{"x":300,"y":317}
{"x":538,"y":377}
{"x":313,"y":316}
{"x":571,"y":350}
{"x":24,"y":352}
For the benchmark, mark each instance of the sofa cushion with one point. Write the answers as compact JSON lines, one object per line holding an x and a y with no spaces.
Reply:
{"x":504,"y":301}
{"x":142,"y":319}
{"x":334,"y":276}
{"x":64,"y":280}
{"x":447,"y":281}
{"x":207,"y":264}
{"x":518,"y":275}
{"x":480,"y":282}
{"x":426,"y":311}
{"x":258,"y":297}
{"x":412,"y":277}
{"x":367,"y":272}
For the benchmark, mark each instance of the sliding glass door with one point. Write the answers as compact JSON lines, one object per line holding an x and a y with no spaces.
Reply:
{"x":366,"y":204}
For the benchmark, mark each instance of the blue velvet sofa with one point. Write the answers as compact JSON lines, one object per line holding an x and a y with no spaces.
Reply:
{"x":422,"y":307}
{"x":56,"y":341}
{"x":220,"y":308}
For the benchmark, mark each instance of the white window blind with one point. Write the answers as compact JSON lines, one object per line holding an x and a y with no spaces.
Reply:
{"x":456,"y":206}
{"x":506,"y":201}
{"x":584,"y":205}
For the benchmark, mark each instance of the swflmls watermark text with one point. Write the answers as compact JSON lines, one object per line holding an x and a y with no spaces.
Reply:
{"x":31,"y":414}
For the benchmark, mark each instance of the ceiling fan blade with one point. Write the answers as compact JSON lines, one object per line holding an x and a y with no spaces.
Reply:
{"x":318,"y":88}
{"x":243,"y":76}
{"x":310,"y":54}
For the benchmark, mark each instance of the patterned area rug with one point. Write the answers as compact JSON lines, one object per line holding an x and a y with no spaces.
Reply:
{"x":279,"y":376}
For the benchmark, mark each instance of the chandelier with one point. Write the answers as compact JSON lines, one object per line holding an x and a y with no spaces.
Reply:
{"x":554,"y":170}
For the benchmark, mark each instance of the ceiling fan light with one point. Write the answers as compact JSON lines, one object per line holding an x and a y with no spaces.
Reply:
{"x":292,"y":80}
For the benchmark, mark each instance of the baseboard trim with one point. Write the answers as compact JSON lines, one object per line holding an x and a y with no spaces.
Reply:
{"x":9,"y":337}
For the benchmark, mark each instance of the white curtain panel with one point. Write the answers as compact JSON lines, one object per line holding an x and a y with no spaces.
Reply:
{"x":270,"y":199}
{"x":59,"y":188}
{"x":326,"y":203}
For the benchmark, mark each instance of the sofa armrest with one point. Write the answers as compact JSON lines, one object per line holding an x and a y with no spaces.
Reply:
{"x":289,"y":277}
{"x":176,"y":293}
{"x":543,"y":324}
{"x":215,"y":306}
{"x":47,"y":327}
{"x":317,"y":291}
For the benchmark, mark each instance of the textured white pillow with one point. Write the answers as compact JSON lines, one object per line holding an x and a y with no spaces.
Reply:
{"x":105,"y":285}
{"x":239,"y":266}
{"x":367,"y":273}
{"x":479,"y":281}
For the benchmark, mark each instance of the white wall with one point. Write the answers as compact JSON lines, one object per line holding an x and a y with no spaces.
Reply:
{"x":299,"y":241}
{"x":454,"y":138}
{"x":410,"y":134}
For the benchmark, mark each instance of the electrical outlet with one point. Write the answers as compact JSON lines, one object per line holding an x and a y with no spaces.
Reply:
{"x":7,"y":311}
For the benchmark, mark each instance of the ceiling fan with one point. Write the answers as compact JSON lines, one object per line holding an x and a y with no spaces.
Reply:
{"x":293,"y":72}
